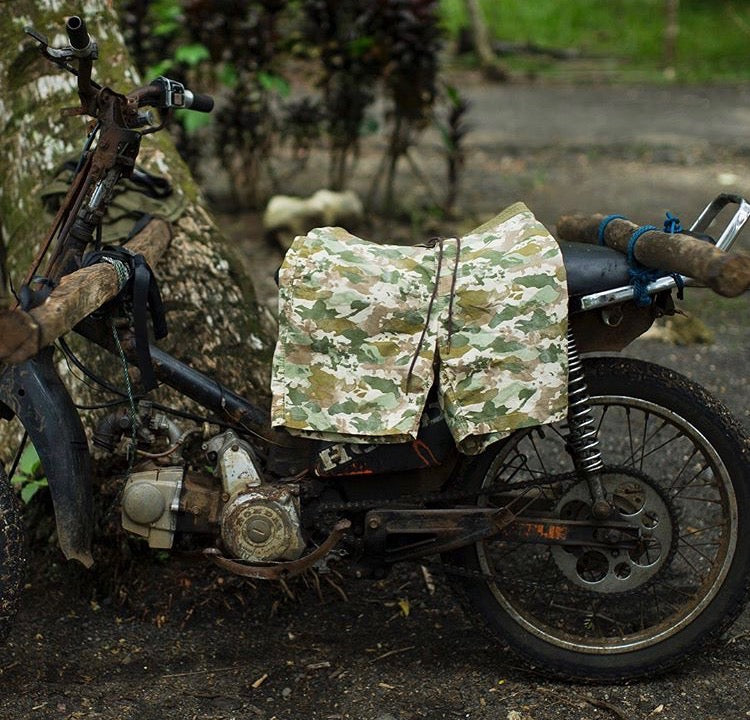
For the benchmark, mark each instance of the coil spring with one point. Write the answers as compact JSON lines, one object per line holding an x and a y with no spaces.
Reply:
{"x":582,"y":436}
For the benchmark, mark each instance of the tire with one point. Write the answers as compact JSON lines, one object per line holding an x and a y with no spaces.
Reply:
{"x":677,"y":466}
{"x":12,"y":556}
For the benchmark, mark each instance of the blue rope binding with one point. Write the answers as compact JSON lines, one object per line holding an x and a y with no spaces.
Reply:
{"x":603,"y":226}
{"x":641,"y":276}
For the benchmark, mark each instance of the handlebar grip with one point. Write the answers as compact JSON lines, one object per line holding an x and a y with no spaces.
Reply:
{"x":198,"y":101}
{"x":77,"y":33}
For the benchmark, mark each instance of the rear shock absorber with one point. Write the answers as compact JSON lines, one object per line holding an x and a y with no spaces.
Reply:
{"x":583,"y":440}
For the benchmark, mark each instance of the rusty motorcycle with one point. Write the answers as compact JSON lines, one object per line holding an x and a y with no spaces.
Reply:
{"x":608,"y":546}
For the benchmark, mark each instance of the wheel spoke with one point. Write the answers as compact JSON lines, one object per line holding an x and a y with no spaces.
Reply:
{"x":566,"y":599}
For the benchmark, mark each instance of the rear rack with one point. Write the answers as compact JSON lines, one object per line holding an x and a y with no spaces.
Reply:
{"x":725,"y":241}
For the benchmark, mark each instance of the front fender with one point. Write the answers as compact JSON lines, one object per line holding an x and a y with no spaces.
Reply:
{"x":34,"y":392}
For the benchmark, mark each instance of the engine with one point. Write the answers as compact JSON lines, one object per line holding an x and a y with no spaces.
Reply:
{"x":258,"y":521}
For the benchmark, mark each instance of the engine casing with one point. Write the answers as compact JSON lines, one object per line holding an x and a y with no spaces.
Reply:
{"x":258,"y":521}
{"x":263,"y":525}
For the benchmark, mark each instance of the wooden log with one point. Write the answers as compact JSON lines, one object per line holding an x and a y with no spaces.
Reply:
{"x":725,"y":273}
{"x":24,"y":334}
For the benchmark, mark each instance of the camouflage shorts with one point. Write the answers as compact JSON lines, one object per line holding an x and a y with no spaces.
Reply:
{"x":365,"y":328}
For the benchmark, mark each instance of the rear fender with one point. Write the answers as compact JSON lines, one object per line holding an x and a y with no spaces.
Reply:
{"x":608,"y":329}
{"x":34,"y":392}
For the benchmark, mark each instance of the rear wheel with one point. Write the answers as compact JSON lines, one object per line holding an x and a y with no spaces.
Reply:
{"x":12,"y":555}
{"x":677,"y":468}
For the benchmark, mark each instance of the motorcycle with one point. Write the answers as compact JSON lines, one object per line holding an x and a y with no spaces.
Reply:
{"x":610,"y":545}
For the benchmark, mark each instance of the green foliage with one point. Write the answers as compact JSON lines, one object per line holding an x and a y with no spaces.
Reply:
{"x":240,"y":51}
{"x":192,"y":54}
{"x":711,"y":46}
{"x":29,"y":477}
{"x":168,"y":15}
{"x":273,"y":83}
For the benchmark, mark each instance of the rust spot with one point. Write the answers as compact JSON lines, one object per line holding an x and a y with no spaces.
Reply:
{"x":419,"y":448}
{"x":544,"y":531}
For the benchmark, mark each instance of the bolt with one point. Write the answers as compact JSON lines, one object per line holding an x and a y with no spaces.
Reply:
{"x":259,"y":530}
{"x":373,"y":523}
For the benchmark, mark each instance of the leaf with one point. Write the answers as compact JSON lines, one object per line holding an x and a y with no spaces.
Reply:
{"x":166,"y":28}
{"x":359,"y":46}
{"x":193,"y":121}
{"x":29,"y":465}
{"x":161,"y":68}
{"x":32,"y":488}
{"x":452,"y":94}
{"x":164,"y":10}
{"x":405,"y":607}
{"x":192,"y":54}
{"x":273,"y":83}
{"x":167,"y":15}
{"x":228,"y":75}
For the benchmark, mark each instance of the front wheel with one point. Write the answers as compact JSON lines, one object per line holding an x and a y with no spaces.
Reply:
{"x":12,"y":555}
{"x":677,"y":468}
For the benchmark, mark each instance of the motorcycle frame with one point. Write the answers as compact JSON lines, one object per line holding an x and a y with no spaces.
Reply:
{"x":34,"y":392}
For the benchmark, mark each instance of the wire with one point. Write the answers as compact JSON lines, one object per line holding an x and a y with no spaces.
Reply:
{"x":19,"y":452}
{"x":234,"y":425}
{"x":85,"y":381}
{"x":100,"y":406}
{"x":70,"y":355}
{"x":86,"y":147}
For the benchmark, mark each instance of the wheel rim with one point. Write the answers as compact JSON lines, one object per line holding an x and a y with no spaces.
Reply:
{"x":577,"y":602}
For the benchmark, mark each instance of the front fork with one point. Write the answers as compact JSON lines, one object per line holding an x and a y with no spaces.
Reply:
{"x":583,"y":439}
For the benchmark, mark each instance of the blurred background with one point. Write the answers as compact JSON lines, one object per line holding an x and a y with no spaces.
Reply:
{"x":429,"y":116}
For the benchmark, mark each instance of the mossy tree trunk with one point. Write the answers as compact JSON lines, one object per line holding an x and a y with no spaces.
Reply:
{"x":215,"y":324}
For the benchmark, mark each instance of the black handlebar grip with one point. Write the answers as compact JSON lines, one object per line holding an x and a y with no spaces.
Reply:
{"x":198,"y":101}
{"x":77,"y":33}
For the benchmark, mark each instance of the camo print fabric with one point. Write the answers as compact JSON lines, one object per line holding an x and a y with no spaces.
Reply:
{"x":364,"y":329}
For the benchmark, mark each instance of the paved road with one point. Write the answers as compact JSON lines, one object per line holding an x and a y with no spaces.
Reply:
{"x":633,"y":150}
{"x":534,"y":116}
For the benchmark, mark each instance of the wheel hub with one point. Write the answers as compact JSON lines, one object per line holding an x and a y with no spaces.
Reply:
{"x":615,"y":569}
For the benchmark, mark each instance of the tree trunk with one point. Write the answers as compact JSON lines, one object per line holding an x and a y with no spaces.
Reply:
{"x":215,"y":323}
{"x":488,"y":63}
{"x":671,"y":33}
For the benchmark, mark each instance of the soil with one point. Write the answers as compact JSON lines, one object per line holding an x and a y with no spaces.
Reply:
{"x":150,"y":637}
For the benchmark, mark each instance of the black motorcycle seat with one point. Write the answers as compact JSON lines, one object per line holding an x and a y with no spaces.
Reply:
{"x":593,"y":268}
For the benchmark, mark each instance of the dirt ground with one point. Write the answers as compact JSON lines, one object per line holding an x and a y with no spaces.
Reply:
{"x":177,"y":640}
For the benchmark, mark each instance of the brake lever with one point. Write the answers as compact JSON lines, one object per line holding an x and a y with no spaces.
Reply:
{"x":62,"y":56}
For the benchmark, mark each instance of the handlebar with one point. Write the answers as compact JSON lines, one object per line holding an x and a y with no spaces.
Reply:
{"x":162,"y":93}
{"x":166,"y":94}
{"x":172,"y":94}
{"x":199,"y":102}
{"x":77,"y":34}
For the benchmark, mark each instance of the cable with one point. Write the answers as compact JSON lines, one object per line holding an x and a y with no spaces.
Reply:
{"x":88,"y":373}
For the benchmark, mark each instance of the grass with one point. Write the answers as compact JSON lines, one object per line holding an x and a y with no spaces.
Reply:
{"x":622,"y":38}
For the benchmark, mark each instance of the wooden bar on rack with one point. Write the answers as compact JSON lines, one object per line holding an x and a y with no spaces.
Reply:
{"x":725,"y":273}
{"x":24,"y":334}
